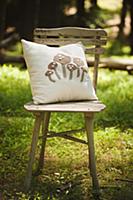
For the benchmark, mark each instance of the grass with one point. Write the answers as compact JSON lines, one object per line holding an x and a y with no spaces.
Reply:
{"x":65,"y":175}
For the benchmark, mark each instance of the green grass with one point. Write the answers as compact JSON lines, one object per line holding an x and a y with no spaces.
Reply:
{"x":66,"y":175}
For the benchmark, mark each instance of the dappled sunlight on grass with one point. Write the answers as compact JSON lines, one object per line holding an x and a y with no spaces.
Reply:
{"x":116,"y":91}
{"x":66,"y":175}
{"x":14,"y":90}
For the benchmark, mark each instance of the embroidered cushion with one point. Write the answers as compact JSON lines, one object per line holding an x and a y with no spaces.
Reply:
{"x":57,"y":74}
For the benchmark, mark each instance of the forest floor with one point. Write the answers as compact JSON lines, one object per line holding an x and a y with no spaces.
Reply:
{"x":65,"y":175}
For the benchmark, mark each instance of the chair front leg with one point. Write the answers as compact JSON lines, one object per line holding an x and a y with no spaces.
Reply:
{"x":90,"y":139}
{"x":37,"y":123}
{"x":45,"y":124}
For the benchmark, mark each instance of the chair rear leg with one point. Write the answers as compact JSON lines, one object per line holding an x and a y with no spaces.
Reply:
{"x":45,"y":124}
{"x":35,"y":135}
{"x":90,"y":139}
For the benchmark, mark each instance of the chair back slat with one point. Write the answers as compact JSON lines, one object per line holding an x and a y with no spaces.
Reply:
{"x":64,"y":41}
{"x":92,"y":39}
{"x":70,"y":31}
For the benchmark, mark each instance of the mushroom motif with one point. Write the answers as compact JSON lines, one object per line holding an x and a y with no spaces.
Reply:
{"x":79,"y":63}
{"x":71,"y":67}
{"x":48,"y":74}
{"x":53,"y":66}
{"x":63,"y":60}
{"x":83,"y":72}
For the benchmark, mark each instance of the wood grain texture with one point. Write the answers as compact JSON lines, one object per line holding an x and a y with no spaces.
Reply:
{"x":35,"y":135}
{"x":83,"y":106}
{"x":89,"y":121}
{"x":65,"y":41}
{"x":71,"y":31}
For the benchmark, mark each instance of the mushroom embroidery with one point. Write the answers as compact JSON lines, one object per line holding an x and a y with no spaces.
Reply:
{"x":79,"y":63}
{"x":53,"y":66}
{"x":48,"y":74}
{"x":83,"y":72}
{"x":63,"y":60}
{"x":71,"y":67}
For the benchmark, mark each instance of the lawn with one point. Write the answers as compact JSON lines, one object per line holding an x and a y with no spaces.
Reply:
{"x":66,"y":175}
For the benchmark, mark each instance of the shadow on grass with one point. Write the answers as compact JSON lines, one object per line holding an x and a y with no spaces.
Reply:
{"x":115,"y":90}
{"x":57,"y":181}
{"x":65,"y":175}
{"x":62,"y":180}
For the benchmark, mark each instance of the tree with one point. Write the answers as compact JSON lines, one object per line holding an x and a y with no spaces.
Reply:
{"x":127,"y":5}
{"x":80,"y":12}
{"x":3,"y":4}
{"x":26,"y":18}
{"x":21,"y":15}
{"x":93,"y":3}
{"x":131,"y":32}
{"x":50,"y":13}
{"x":123,"y":16}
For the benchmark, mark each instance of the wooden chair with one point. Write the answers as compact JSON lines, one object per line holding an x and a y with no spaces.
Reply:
{"x":93,"y":40}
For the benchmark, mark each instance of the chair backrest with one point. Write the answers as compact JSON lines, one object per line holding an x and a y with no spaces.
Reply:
{"x":92,"y":39}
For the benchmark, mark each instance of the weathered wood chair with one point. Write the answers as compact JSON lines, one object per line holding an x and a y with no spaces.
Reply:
{"x":93,"y":40}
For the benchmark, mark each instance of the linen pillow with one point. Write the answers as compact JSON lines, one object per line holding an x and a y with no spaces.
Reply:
{"x":57,"y":74}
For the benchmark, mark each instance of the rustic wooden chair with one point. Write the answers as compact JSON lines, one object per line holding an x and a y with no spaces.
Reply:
{"x":93,"y":40}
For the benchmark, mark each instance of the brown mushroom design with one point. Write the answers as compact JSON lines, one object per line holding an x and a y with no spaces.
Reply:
{"x":67,"y":63}
{"x":79,"y":63}
{"x":71,"y":67}
{"x":83,"y":73}
{"x":63,"y":60}
{"x":53,"y":66}
{"x":48,"y":74}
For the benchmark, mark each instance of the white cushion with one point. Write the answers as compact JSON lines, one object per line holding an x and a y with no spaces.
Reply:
{"x":58,"y":74}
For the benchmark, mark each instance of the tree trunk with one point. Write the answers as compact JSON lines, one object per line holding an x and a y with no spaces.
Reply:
{"x":123,"y":16}
{"x":3,"y":4}
{"x":12,"y":59}
{"x":37,"y":11}
{"x":26,"y":18}
{"x":24,"y":15}
{"x":11,"y":40}
{"x":80,"y":12}
{"x":93,"y":3}
{"x":131,"y":33}
{"x":50,"y":13}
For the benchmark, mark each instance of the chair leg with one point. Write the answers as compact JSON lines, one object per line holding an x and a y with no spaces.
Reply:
{"x":35,"y":135}
{"x":90,"y":139}
{"x":45,"y":123}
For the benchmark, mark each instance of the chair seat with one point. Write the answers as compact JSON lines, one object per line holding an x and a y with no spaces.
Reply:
{"x":80,"y":106}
